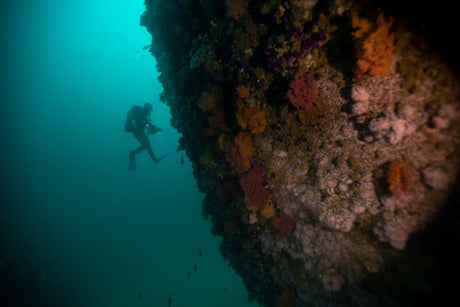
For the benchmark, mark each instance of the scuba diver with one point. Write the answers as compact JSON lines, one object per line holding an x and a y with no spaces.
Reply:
{"x":137,"y":123}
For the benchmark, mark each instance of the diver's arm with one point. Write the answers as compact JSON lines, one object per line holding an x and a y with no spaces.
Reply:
{"x":152,"y":129}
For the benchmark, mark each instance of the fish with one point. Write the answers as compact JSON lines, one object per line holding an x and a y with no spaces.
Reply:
{"x":170,"y":300}
{"x":139,"y":295}
{"x":182,"y":160}
{"x":146,"y":47}
{"x":200,"y":253}
{"x":194,"y":267}
{"x":189,"y":274}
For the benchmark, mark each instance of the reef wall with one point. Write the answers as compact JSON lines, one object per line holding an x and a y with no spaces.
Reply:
{"x":325,"y":136}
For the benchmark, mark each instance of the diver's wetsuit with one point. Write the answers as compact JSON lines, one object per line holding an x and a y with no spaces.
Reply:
{"x":136,"y":122}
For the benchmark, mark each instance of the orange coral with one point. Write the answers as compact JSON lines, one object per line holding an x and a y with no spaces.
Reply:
{"x":251,"y":118}
{"x":269,"y":210}
{"x":243,"y":91}
{"x":394,"y":175}
{"x":244,"y":142}
{"x":362,"y":26}
{"x":207,"y":101}
{"x":398,"y":180}
{"x":375,"y":45}
{"x":210,"y":100}
{"x":239,"y":155}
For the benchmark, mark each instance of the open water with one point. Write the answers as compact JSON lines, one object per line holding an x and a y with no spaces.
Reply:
{"x":76,"y":228}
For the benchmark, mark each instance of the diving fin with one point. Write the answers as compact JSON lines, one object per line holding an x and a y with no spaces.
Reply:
{"x":166,"y":154}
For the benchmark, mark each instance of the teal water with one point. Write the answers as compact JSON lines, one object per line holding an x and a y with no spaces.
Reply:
{"x":76,"y":228}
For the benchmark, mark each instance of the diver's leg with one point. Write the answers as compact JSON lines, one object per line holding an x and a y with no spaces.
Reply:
{"x":139,"y":149}
{"x":144,"y":140}
{"x":138,"y":136}
{"x":152,"y":155}
{"x":132,"y":154}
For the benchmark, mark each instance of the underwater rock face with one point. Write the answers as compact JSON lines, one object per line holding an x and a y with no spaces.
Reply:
{"x":324,"y":134}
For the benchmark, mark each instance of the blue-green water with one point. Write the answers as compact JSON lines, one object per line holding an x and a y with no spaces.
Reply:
{"x":76,"y":228}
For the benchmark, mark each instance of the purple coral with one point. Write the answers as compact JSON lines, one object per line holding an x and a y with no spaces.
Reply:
{"x":273,"y":62}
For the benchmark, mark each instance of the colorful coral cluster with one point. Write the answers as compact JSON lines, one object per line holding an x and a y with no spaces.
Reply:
{"x":322,"y":137}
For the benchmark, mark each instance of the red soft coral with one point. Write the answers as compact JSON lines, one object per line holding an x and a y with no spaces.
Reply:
{"x":284,"y":224}
{"x":302,"y":92}
{"x":256,"y":196}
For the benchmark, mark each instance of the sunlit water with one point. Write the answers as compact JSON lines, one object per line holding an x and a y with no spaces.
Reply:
{"x":76,"y":228}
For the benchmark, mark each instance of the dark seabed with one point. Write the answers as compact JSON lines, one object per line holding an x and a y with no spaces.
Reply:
{"x":76,"y":228}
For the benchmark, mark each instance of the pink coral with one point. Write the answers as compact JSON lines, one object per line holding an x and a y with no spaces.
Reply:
{"x":302,"y":92}
{"x":284,"y":224}
{"x":256,"y":196}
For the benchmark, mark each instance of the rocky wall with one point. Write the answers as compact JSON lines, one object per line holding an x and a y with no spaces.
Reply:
{"x":325,"y":136}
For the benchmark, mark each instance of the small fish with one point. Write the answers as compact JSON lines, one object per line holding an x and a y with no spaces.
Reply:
{"x":170,"y":300}
{"x":139,"y":295}
{"x":200,"y":253}
{"x":146,"y":47}
{"x":189,"y":274}
{"x":182,"y":159}
{"x":194,"y":267}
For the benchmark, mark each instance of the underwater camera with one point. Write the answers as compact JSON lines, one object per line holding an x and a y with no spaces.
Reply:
{"x":152,"y":129}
